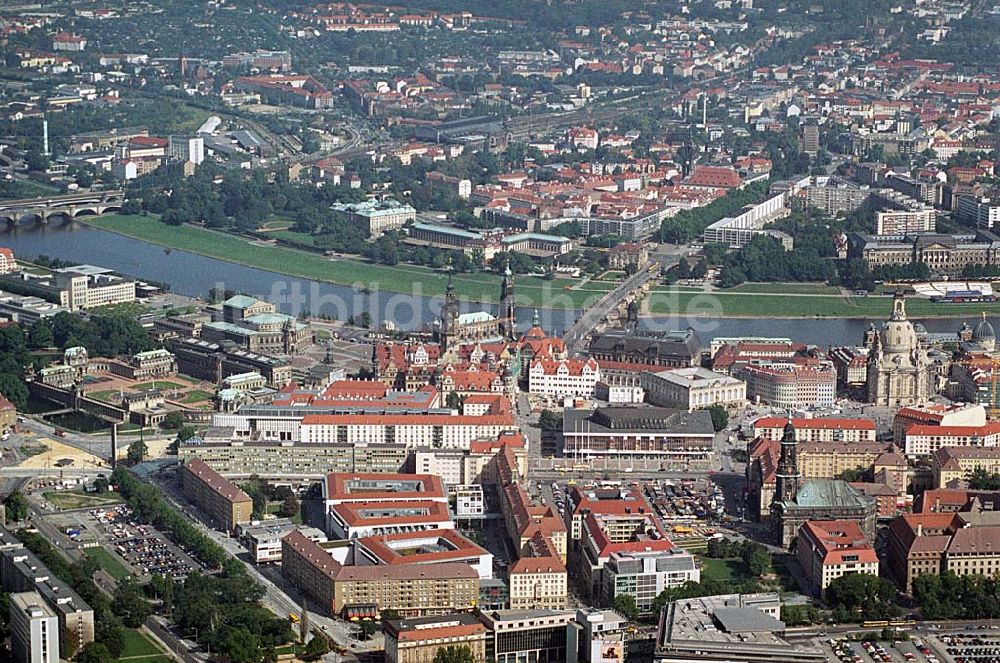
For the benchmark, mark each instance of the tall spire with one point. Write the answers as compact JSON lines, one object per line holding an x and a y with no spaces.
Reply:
{"x":535,"y":320}
{"x":507,"y":304}
{"x":787,"y":475}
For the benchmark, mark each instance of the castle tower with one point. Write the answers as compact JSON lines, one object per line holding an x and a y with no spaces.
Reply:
{"x":449,"y":315}
{"x":786,"y":485}
{"x":507,"y":305}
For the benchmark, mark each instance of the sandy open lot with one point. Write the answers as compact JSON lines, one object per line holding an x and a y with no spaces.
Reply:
{"x":57,"y":451}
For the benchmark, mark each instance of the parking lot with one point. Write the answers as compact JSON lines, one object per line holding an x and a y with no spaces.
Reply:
{"x":144,"y":549}
{"x":915,"y":650}
{"x":971,"y":647}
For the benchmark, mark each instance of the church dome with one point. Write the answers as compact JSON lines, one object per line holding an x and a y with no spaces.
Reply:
{"x":899,"y":336}
{"x":984,"y":331}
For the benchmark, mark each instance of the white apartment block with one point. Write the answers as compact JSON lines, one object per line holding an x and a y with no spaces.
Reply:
{"x":413,"y":430}
{"x":983,"y":212}
{"x":537,"y":586}
{"x":693,"y":388}
{"x":924,"y":440}
{"x":644,"y":575}
{"x":569,"y":377}
{"x":34,"y":629}
{"x":82,"y":291}
{"x":7,"y":262}
{"x":263,"y":538}
{"x":186,"y":148}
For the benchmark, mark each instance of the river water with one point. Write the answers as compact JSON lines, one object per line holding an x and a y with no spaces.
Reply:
{"x":193,"y":275}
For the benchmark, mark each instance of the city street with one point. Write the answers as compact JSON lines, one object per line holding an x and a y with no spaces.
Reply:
{"x":279,"y":599}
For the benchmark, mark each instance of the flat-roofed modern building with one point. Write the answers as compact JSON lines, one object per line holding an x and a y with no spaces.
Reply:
{"x":263,"y":538}
{"x":693,"y":388}
{"x":637,"y":432}
{"x":223,"y":501}
{"x":545,"y":636}
{"x":644,"y":571}
{"x":22,"y":571}
{"x":34,"y":629}
{"x":728,"y":627}
{"x":292,"y":462}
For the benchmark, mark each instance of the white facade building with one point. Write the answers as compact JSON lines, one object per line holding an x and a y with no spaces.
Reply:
{"x":34,"y":629}
{"x":693,"y":388}
{"x":187,"y":148}
{"x":644,"y":575}
{"x":469,"y":500}
{"x":569,"y":377}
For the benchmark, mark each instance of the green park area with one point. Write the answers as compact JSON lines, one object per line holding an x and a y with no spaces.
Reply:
{"x":476,"y":287}
{"x":724,"y":570}
{"x":795,"y":301}
{"x":77,"y":499}
{"x":108,"y":562}
{"x":141,"y":649}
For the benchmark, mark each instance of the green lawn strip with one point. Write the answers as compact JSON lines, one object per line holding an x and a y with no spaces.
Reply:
{"x":531,"y":290}
{"x":29,"y":189}
{"x":158,"y":384}
{"x":106,"y":396}
{"x":726,"y":570}
{"x":793,"y":288}
{"x":109,"y":563}
{"x":196,"y":396}
{"x":75,"y":499}
{"x":293,"y":236}
{"x":139,"y":644}
{"x":725,"y":304}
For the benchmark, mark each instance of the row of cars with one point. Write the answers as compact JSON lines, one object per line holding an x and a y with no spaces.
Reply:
{"x":142,"y":546}
{"x":972,"y":648}
{"x":686,"y":500}
{"x":879,"y":653}
{"x":150,"y":555}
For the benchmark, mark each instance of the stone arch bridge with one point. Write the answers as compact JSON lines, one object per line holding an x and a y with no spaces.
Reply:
{"x":43,"y":210}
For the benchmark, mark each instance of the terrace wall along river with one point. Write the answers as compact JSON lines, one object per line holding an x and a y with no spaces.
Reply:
{"x":193,"y":275}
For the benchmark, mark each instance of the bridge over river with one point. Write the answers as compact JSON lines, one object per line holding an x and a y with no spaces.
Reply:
{"x":70,"y":206}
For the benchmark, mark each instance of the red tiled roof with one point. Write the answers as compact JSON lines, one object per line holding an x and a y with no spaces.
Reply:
{"x":434,"y":512}
{"x":431,"y":487}
{"x":461,"y":547}
{"x":218,"y":483}
{"x":957,"y":431}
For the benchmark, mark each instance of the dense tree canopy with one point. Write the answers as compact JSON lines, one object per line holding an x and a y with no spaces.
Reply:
{"x":858,"y":596}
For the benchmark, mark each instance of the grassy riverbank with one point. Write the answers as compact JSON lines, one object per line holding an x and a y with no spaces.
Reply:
{"x":780,"y":303}
{"x":408,"y":279}
{"x":752,"y":300}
